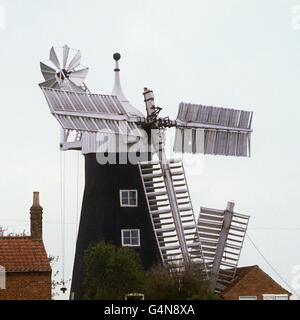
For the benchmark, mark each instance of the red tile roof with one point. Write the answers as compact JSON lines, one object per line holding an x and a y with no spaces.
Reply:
{"x":240,"y":274}
{"x":22,"y":254}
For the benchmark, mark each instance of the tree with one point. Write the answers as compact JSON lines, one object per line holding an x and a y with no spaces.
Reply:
{"x":111,"y":272}
{"x":178,"y":284}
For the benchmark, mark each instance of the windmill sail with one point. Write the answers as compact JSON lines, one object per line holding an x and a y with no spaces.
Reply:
{"x":222,"y":234}
{"x":91,"y":115}
{"x":177,"y":237}
{"x":211,"y":130}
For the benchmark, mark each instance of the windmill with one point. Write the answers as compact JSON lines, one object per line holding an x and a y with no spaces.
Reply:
{"x":130,"y":198}
{"x":65,"y":72}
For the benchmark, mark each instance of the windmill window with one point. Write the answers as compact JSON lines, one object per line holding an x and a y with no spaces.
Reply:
{"x":130,"y":237}
{"x":128,"y":198}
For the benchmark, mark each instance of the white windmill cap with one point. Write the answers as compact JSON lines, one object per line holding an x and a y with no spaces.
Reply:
{"x":117,"y":91}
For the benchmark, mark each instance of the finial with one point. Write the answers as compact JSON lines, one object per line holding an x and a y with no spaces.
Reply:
{"x":117,"y":90}
{"x":117,"y":56}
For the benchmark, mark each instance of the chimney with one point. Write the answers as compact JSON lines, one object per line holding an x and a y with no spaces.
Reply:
{"x":36,"y":218}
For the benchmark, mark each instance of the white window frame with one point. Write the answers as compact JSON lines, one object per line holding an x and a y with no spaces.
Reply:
{"x":2,"y":278}
{"x":247,"y":297}
{"x":274,"y":296}
{"x":130,"y":244}
{"x":140,"y":295}
{"x":129,"y":205}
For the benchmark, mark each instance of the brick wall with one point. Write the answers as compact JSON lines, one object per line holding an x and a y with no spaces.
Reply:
{"x":255,"y":283}
{"x":27,"y":286}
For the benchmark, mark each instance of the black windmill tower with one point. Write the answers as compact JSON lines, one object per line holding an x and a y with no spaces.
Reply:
{"x":134,"y":196}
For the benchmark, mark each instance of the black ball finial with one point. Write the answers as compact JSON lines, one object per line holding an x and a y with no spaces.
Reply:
{"x":117,"y":56}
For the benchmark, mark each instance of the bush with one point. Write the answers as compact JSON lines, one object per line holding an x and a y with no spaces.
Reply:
{"x":189,"y":284}
{"x":111,"y":272}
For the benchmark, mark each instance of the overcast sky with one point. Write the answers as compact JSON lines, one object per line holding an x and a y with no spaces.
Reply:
{"x":231,"y":53}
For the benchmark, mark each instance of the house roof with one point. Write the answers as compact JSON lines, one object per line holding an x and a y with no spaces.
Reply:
{"x":22,"y":254}
{"x":241,"y":273}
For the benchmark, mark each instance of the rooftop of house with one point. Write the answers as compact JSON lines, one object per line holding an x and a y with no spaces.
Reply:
{"x":26,"y":253}
{"x":241,"y":273}
{"x":22,"y":254}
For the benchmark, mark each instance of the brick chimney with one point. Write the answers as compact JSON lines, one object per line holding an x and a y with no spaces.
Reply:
{"x":36,"y":218}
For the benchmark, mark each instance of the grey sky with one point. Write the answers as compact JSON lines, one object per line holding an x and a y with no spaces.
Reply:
{"x":239,"y":54}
